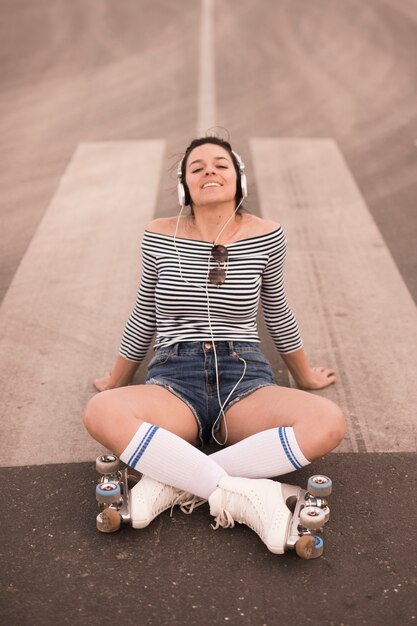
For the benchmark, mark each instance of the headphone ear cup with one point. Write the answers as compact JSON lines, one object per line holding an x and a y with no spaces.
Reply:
{"x":181,"y":195}
{"x":242,"y":176}
{"x":244,"y":185}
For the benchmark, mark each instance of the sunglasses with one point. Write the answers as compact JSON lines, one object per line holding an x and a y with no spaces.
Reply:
{"x":217,"y":275}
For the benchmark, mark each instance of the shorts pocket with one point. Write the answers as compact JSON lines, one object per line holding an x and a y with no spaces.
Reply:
{"x":160,"y":359}
{"x":254,"y":358}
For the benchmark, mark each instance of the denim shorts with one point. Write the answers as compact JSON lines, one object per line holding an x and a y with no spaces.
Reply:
{"x":188,"y":370}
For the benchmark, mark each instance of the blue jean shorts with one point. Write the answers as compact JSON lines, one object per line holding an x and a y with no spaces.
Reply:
{"x":188,"y":370}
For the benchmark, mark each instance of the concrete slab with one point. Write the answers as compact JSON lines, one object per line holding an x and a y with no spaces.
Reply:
{"x":353,"y":307}
{"x":62,"y":317}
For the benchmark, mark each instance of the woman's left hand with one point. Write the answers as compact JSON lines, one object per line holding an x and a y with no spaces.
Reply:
{"x":319,"y":377}
{"x":307,"y":377}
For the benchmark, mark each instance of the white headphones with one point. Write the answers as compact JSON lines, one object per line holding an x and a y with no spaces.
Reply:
{"x":182,"y":194}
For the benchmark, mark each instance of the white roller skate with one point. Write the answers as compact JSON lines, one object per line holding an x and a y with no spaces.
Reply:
{"x":125,"y":495}
{"x":284,"y":516}
{"x":258,"y":504}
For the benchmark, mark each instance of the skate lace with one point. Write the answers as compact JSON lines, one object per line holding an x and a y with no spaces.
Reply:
{"x":244,"y":512}
{"x":166,"y":497}
{"x":223,"y":519}
{"x":187,"y":502}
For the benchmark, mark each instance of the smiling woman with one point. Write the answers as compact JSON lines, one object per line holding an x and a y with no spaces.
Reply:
{"x":214,"y":164}
{"x":203,"y":277}
{"x":211,"y":180}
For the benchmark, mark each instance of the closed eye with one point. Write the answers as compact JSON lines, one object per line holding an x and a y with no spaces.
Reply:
{"x":199,"y":169}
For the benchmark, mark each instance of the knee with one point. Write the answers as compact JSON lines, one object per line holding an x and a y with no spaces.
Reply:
{"x":335,"y":426}
{"x":94,"y":414}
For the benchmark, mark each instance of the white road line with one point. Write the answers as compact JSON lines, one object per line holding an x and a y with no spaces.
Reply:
{"x":206,"y":117}
{"x":353,"y":307}
{"x":62,"y":318}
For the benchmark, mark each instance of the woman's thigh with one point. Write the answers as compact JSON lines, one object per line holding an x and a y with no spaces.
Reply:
{"x":312,"y":417}
{"x":112,"y":417}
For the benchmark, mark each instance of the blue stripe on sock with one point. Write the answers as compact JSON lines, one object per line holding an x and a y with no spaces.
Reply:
{"x":287,"y":448}
{"x":142,"y":446}
{"x":299,"y":466}
{"x":130,"y":461}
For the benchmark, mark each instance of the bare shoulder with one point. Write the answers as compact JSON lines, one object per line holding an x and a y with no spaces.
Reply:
{"x":255,"y":226}
{"x":163,"y":226}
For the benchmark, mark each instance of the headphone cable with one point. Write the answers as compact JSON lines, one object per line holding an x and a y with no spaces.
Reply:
{"x":221,"y":413}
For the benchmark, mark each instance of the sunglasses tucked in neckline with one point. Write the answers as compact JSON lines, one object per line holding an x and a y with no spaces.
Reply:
{"x":217,"y":275}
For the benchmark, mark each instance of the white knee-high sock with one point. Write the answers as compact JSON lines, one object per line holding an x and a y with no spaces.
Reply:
{"x":165,"y":457}
{"x":267,"y":454}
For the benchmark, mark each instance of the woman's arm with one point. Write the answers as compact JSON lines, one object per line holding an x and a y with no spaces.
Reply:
{"x":120,"y":376}
{"x":139,"y":330}
{"x":279,"y":318}
{"x":305,"y":376}
{"x":283,"y":326}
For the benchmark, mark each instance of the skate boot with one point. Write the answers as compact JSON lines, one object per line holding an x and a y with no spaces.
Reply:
{"x":149,"y":498}
{"x":258,"y":503}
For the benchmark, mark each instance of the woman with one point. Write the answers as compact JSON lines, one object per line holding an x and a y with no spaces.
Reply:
{"x":203,"y":275}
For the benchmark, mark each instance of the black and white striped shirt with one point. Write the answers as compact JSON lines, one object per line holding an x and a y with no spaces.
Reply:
{"x":176,"y":300}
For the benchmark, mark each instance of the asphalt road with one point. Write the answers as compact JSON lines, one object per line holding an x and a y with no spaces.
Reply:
{"x":75,"y":73}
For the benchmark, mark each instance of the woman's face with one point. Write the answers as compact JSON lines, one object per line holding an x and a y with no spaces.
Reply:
{"x":210,"y":175}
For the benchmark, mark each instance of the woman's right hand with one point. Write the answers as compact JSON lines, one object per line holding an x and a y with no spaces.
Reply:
{"x":120,"y":376}
{"x":103,"y":383}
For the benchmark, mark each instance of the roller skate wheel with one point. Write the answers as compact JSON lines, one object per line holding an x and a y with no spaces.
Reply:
{"x":108,"y":521}
{"x":108,"y":493}
{"x":326,"y":514}
{"x":107,"y":464}
{"x":309,"y":547}
{"x":312,"y":517}
{"x":319,"y":486}
{"x":305,"y":547}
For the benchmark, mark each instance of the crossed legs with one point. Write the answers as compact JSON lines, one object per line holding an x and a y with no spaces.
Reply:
{"x":155,"y":432}
{"x":271,"y":432}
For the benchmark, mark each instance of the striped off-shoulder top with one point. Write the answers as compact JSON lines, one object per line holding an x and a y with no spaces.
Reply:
{"x":176,"y":300}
